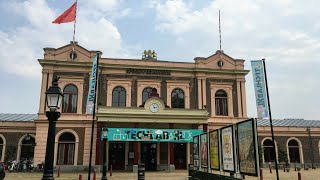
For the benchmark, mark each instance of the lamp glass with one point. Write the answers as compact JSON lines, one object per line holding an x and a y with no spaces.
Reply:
{"x":105,"y":134}
{"x":54,"y":101}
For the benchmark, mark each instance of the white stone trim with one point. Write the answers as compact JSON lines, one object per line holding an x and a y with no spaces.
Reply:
{"x":3,"y":148}
{"x":126,"y":84}
{"x":276,"y":144}
{"x":184,"y":86}
{"x":20,"y":145}
{"x":75,"y":161}
{"x":142,"y":84}
{"x":228,"y":90}
{"x":64,"y":81}
{"x":300,"y":149}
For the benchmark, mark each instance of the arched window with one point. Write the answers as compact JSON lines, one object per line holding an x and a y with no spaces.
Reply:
{"x":268,"y":151}
{"x":70,"y":97}
{"x":66,"y":149}
{"x":1,"y":148}
{"x":119,"y":97}
{"x":221,"y":102}
{"x":146,"y":94}
{"x":294,"y":153}
{"x":27,"y":148}
{"x":177,"y":98}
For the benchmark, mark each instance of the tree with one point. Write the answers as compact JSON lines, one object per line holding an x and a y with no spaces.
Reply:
{"x":282,"y":155}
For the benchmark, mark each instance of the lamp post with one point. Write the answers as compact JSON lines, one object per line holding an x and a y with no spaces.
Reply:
{"x":104,"y":157}
{"x":54,"y":98}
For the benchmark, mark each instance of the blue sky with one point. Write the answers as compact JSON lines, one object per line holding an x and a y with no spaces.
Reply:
{"x":285,"y":32}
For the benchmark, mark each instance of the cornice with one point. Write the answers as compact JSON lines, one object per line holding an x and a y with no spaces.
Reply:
{"x":128,"y":66}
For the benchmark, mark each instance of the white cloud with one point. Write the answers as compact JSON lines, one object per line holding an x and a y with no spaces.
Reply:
{"x":283,"y":32}
{"x":22,"y":46}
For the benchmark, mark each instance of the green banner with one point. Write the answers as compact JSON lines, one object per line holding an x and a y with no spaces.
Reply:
{"x":154,"y":135}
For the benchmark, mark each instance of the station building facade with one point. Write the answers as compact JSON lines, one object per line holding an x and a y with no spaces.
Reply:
{"x":206,"y":94}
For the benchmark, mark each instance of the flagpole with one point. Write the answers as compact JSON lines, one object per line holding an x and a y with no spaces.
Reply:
{"x":93,"y":116}
{"x":74,"y":30}
{"x":272,"y":134}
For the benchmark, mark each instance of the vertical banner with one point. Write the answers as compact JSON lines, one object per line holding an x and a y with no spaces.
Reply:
{"x":91,"y":93}
{"x":196,"y":151}
{"x":204,"y":150}
{"x":228,"y":163}
{"x":260,"y":88}
{"x":214,"y":150}
{"x":247,"y":147}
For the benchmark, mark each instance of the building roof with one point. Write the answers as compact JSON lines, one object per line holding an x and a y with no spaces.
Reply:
{"x":290,"y":123}
{"x":18,"y":117}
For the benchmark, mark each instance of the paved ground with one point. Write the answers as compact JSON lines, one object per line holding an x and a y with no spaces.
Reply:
{"x":178,"y":175}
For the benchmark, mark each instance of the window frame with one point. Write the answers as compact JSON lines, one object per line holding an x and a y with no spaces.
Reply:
{"x":177,"y":95}
{"x":70,"y":99}
{"x":119,"y":97}
{"x":222,"y":101}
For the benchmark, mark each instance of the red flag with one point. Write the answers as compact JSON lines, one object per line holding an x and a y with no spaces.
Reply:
{"x":68,"y":16}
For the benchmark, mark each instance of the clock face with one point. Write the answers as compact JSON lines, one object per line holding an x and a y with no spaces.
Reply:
{"x":154,"y":107}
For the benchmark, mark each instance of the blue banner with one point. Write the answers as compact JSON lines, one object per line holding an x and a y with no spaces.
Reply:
{"x":260,"y":88}
{"x":92,"y":86}
{"x":155,"y":135}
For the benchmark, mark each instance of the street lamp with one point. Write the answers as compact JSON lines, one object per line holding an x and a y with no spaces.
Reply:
{"x":104,"y":137}
{"x":54,"y":98}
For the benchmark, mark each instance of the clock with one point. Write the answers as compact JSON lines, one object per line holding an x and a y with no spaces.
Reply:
{"x":154,"y":107}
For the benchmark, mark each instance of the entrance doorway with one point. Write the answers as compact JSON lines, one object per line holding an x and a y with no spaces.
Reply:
{"x":180,"y":155}
{"x":149,"y":156}
{"x":117,"y":155}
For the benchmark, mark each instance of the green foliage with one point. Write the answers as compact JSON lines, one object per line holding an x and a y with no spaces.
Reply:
{"x":282,"y":155}
{"x":260,"y":150}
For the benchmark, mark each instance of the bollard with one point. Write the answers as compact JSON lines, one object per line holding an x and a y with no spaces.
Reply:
{"x":80,"y":176}
{"x":299,"y":176}
{"x":270,"y":168}
{"x":141,"y":171}
{"x":58,"y":171}
{"x":94,"y":175}
{"x":261,"y":174}
{"x":110,"y":170}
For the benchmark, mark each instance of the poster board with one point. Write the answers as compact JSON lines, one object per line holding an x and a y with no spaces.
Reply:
{"x":214,"y":150}
{"x":196,"y":151}
{"x":247,"y":147}
{"x":204,"y":150}
{"x":227,"y":149}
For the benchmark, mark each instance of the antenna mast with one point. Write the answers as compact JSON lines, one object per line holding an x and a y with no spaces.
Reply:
{"x":219,"y":31}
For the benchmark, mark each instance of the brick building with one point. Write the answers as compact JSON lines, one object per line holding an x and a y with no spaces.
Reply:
{"x":205,"y":94}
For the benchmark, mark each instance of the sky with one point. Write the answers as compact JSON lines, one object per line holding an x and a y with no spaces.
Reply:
{"x":285,"y":33}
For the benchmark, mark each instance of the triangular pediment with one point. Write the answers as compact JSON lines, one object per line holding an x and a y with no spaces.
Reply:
{"x":219,"y":60}
{"x":64,"y":53}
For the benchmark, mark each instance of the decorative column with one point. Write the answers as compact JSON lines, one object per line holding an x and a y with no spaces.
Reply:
{"x":243,"y":97}
{"x":204,"y":96}
{"x":98,"y":144}
{"x":239,"y":98}
{"x":199,"y":93}
{"x":136,"y":152}
{"x":171,"y":148}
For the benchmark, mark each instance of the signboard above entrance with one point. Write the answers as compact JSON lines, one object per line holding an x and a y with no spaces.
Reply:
{"x":155,"y":135}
